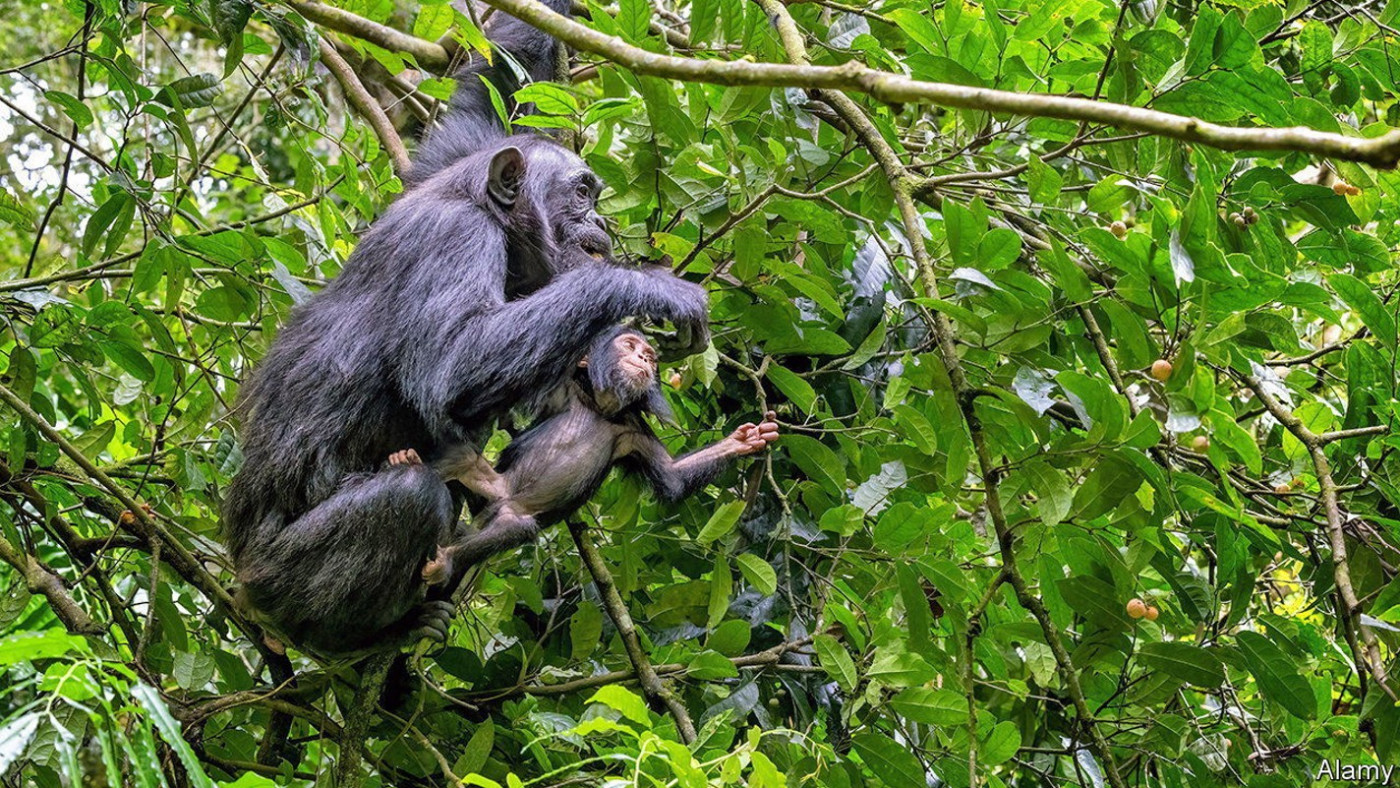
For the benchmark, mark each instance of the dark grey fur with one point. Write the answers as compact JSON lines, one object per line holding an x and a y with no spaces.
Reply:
{"x":454,"y":308}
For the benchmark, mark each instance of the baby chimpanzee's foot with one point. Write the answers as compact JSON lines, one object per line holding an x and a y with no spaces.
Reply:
{"x":405,"y":457}
{"x":432,"y":622}
{"x":437,"y":571}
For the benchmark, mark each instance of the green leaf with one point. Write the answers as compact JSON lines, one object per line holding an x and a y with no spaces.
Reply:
{"x":623,"y":700}
{"x":14,"y":212}
{"x":901,"y":669}
{"x":799,"y":391}
{"x":819,"y":463}
{"x":894,"y":765}
{"x":230,"y":17}
{"x":721,"y":522}
{"x":1362,"y":298}
{"x":198,"y":90}
{"x":548,"y":98}
{"x":711,"y":666}
{"x":758,"y":572}
{"x":1277,"y":674}
{"x":76,"y":110}
{"x":1191,"y":664}
{"x":634,"y":19}
{"x":171,"y":732}
{"x":835,"y":661}
{"x":585,"y":629}
{"x":433,"y":21}
{"x":931,"y":706}
{"x":918,"y":28}
{"x":1001,"y":744}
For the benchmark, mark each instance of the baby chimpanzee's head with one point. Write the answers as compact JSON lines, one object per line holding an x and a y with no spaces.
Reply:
{"x":622,"y":372}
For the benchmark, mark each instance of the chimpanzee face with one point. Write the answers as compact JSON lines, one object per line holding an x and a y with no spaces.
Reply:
{"x":636,"y":359}
{"x":622,"y":365}
{"x":567,"y":194}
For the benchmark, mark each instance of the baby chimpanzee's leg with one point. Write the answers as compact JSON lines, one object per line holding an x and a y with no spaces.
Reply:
{"x":506,"y":528}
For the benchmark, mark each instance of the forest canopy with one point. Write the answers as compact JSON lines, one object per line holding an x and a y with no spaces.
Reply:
{"x":1079,"y":319}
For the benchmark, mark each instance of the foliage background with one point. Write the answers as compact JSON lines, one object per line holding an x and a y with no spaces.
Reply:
{"x":926,"y":581}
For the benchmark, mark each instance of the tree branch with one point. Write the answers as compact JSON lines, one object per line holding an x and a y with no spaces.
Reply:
{"x":428,"y":54}
{"x":366,"y":106}
{"x":617,"y":611}
{"x":901,"y":184}
{"x":39,"y":579}
{"x":1366,"y":652}
{"x":1382,"y":152}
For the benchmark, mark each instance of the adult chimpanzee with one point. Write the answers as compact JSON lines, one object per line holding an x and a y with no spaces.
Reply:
{"x":477,"y":290}
{"x":548,"y":472}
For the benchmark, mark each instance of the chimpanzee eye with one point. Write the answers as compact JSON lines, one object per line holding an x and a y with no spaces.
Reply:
{"x":583,"y":192}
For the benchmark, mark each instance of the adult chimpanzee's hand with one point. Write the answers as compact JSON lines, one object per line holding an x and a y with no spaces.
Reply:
{"x":687,"y":306}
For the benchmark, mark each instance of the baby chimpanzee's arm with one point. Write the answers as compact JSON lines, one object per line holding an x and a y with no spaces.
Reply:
{"x":677,"y":477}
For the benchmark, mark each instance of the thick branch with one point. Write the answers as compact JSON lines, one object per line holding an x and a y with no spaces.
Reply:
{"x":617,"y":611}
{"x":428,"y":54}
{"x":366,"y":106}
{"x":352,"y":739}
{"x":1382,"y":152}
{"x":39,"y":579}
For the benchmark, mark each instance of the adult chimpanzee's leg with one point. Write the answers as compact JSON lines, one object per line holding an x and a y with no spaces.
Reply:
{"x":347,"y":573}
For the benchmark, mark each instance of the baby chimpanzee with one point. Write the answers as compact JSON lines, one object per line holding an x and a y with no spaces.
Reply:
{"x":557,"y":465}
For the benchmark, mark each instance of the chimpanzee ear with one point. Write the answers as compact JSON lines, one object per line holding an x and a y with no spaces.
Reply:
{"x":506,"y":174}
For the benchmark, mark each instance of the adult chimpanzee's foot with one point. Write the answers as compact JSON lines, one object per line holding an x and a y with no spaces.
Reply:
{"x":431,"y":622}
{"x":405,"y":457}
{"x":274,"y":645}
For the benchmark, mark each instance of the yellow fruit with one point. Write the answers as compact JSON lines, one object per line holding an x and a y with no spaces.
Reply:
{"x":1341,"y":188}
{"x":1200,"y":443}
{"x":1137,"y":608}
{"x":1153,"y":612}
{"x":1161,"y":369}
{"x":674,"y":381}
{"x":1118,"y":229}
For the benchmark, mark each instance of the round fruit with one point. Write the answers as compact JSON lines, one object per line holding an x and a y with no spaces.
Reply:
{"x":1341,"y":188}
{"x":1282,"y":488}
{"x":1240,"y":221}
{"x":674,"y":381}
{"x":1137,"y":608}
{"x":1118,"y":229}
{"x":1161,"y":369}
{"x":1153,"y":612}
{"x":1248,"y":212}
{"x":1200,"y":443}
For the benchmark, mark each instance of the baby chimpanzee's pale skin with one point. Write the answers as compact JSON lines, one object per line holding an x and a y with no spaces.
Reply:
{"x":552,"y":469}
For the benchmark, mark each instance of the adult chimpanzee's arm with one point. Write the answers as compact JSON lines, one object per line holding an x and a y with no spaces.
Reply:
{"x":674,"y":478}
{"x":471,"y":121}
{"x":499,"y":355}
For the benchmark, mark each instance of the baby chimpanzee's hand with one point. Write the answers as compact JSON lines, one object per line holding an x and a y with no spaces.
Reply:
{"x":754,"y":438}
